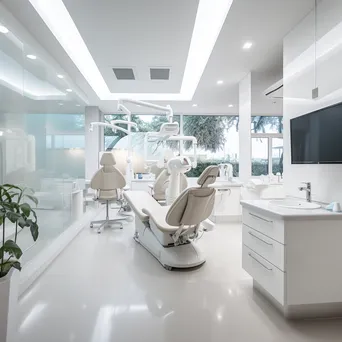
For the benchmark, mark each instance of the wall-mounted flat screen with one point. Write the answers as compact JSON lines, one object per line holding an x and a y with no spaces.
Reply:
{"x":316,"y":138}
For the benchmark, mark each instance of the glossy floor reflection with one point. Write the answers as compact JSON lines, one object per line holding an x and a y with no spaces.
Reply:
{"x":106,"y":288}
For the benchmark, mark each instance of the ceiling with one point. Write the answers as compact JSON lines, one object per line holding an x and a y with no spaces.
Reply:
{"x":157,"y":33}
{"x":34,"y":78}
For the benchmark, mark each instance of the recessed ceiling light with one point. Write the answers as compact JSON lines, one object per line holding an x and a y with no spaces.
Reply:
{"x":60,"y":76}
{"x":230,"y":106}
{"x":60,"y":103}
{"x":247,"y":45}
{"x":78,"y":105}
{"x":194,"y":105}
{"x":69,"y":90}
{"x":219,"y":82}
{"x":31,"y":56}
{"x":3,"y":29}
{"x":59,"y":21}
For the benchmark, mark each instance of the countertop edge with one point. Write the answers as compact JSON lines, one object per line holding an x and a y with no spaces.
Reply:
{"x":291,"y":217}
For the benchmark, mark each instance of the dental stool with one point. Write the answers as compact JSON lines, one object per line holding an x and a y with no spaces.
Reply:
{"x":108,"y":182}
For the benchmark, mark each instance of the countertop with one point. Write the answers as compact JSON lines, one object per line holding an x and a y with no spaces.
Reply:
{"x":266,"y":208}
{"x":225,"y":184}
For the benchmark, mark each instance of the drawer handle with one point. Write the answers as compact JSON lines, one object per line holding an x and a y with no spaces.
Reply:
{"x":267,"y":268}
{"x":260,"y":218}
{"x":257,"y":237}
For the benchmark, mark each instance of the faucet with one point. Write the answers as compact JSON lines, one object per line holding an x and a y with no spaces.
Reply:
{"x":307,"y":189}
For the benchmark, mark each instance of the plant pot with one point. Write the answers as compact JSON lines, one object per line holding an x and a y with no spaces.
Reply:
{"x":8,"y":306}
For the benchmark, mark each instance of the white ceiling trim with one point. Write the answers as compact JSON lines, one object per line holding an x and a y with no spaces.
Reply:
{"x":210,"y":18}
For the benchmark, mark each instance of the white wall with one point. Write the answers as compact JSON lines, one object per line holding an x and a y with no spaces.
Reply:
{"x":93,"y":141}
{"x":301,"y":75}
{"x":245,"y":111}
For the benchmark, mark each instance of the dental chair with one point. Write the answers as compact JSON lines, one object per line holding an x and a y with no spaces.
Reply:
{"x":162,"y":183}
{"x":108,"y":182}
{"x":168,"y":232}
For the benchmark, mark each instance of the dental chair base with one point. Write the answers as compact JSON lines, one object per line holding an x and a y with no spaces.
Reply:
{"x":109,"y":222}
{"x":170,"y":256}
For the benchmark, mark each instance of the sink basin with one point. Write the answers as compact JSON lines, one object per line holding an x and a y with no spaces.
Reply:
{"x":295,"y":204}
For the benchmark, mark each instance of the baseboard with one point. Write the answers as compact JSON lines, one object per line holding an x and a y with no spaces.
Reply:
{"x":34,"y":268}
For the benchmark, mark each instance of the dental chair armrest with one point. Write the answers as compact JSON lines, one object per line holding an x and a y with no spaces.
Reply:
{"x":157,"y":215}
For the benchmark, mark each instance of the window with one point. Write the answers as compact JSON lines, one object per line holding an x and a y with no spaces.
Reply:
{"x":267,"y":145}
{"x":145,"y":123}
{"x":259,"y":156}
{"x":267,"y":124}
{"x":217,"y":139}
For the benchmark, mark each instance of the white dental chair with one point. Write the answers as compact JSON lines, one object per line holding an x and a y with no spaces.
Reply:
{"x":108,"y":182}
{"x":162,"y":183}
{"x":167,"y":232}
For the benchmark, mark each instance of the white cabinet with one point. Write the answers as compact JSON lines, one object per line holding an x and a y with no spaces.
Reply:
{"x":227,"y":206}
{"x":265,"y":273}
{"x":294,"y":259}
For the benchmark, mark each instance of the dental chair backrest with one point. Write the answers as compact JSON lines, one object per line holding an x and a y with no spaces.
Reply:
{"x":108,"y":179}
{"x":162,"y":183}
{"x":194,"y":205}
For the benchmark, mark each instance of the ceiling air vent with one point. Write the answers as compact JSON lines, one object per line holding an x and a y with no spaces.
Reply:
{"x":159,"y":74}
{"x":124,"y":73}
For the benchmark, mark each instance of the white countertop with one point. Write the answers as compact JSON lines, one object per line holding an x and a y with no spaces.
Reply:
{"x":225,"y":184}
{"x":264,"y":207}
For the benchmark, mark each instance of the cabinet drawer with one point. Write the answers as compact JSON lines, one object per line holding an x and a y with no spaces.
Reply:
{"x":269,"y":249}
{"x":271,"y":227}
{"x":267,"y":275}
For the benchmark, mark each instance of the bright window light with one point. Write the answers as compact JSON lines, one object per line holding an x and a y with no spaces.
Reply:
{"x":247,"y":45}
{"x":204,"y":36}
{"x":31,"y":56}
{"x":3,"y":29}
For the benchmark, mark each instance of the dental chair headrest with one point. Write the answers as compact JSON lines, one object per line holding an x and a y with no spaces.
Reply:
{"x":208,"y":176}
{"x":107,"y":159}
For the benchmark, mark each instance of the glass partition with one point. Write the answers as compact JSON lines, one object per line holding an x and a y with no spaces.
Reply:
{"x":41,"y":136}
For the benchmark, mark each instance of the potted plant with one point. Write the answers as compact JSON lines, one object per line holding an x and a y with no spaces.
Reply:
{"x":15,"y":213}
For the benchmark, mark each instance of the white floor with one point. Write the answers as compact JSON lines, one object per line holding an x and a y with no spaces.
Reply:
{"x":107,"y":288}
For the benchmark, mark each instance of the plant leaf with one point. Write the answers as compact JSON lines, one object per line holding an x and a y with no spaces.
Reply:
{"x":11,"y":248}
{"x":16,"y":264}
{"x":6,"y":266}
{"x":26,"y":209}
{"x":33,"y":199}
{"x":22,"y":222}
{"x":13,"y":217}
{"x":34,"y":231}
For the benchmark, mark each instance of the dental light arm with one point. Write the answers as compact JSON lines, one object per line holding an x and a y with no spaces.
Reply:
{"x":167,"y":109}
{"x":112,"y":126}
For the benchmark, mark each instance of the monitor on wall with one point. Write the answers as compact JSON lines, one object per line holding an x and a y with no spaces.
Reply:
{"x":316,"y":138}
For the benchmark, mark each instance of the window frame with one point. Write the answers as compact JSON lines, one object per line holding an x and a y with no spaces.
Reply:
{"x":269,"y":137}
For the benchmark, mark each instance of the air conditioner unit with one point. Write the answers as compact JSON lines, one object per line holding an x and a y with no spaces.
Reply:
{"x":275,"y":91}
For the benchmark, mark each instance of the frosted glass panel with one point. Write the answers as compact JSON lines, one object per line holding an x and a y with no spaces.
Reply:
{"x":41,"y":139}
